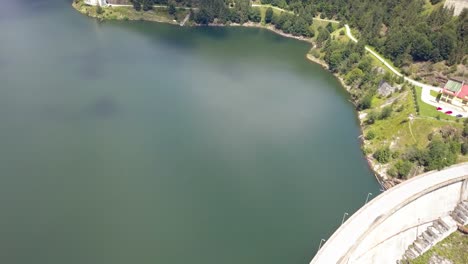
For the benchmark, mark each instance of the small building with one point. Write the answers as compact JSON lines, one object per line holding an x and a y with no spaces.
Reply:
{"x":455,"y":92}
{"x":385,"y":89}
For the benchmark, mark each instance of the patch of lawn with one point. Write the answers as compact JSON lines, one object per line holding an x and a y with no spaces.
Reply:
{"x":434,"y":93}
{"x":453,"y":248}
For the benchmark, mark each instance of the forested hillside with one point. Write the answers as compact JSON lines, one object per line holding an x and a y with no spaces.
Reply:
{"x":403,"y":30}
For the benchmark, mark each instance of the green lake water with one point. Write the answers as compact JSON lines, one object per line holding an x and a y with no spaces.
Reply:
{"x":135,"y":142}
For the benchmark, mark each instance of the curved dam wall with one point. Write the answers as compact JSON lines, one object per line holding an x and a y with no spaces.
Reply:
{"x":381,"y":231}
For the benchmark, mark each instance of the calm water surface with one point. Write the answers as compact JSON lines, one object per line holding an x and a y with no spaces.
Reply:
{"x":133,"y":142}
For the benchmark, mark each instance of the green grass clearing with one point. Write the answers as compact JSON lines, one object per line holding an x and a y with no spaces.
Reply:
{"x":453,"y":248}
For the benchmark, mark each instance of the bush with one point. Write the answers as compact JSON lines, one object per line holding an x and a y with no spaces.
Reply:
{"x":464,"y":148}
{"x":99,"y":10}
{"x":402,"y":168}
{"x":371,"y":117}
{"x":383,"y":155}
{"x":269,"y":15}
{"x":365,"y":103}
{"x":370,"y":135}
{"x":386,"y":112}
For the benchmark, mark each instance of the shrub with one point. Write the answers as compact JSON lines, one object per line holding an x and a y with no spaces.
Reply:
{"x":365,"y":103}
{"x":268,"y":15}
{"x":371,"y":117}
{"x":402,"y":168}
{"x":386,"y":112}
{"x":464,"y":148}
{"x":383,"y":155}
{"x":99,"y":10}
{"x":370,"y":135}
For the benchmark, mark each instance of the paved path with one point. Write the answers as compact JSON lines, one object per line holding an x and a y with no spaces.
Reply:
{"x":350,"y":233}
{"x":426,"y":96}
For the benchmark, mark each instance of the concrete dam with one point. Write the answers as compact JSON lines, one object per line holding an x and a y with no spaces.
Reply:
{"x":403,"y":222}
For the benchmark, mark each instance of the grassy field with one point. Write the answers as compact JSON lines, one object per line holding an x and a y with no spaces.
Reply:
{"x":453,"y":248}
{"x":398,"y":131}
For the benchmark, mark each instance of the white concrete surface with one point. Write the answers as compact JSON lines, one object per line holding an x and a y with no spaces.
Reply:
{"x":381,"y":231}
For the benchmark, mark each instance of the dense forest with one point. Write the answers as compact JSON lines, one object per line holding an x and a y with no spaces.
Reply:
{"x":402,"y":30}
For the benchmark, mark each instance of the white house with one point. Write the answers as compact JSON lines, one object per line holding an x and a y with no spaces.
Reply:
{"x":96,"y":2}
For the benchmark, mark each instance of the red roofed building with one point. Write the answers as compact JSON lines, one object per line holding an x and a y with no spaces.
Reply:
{"x":455,"y":92}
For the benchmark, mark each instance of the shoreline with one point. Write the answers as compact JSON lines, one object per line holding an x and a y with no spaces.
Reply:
{"x":384,"y":181}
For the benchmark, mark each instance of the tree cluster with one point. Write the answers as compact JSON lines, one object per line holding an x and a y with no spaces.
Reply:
{"x":292,"y":24}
